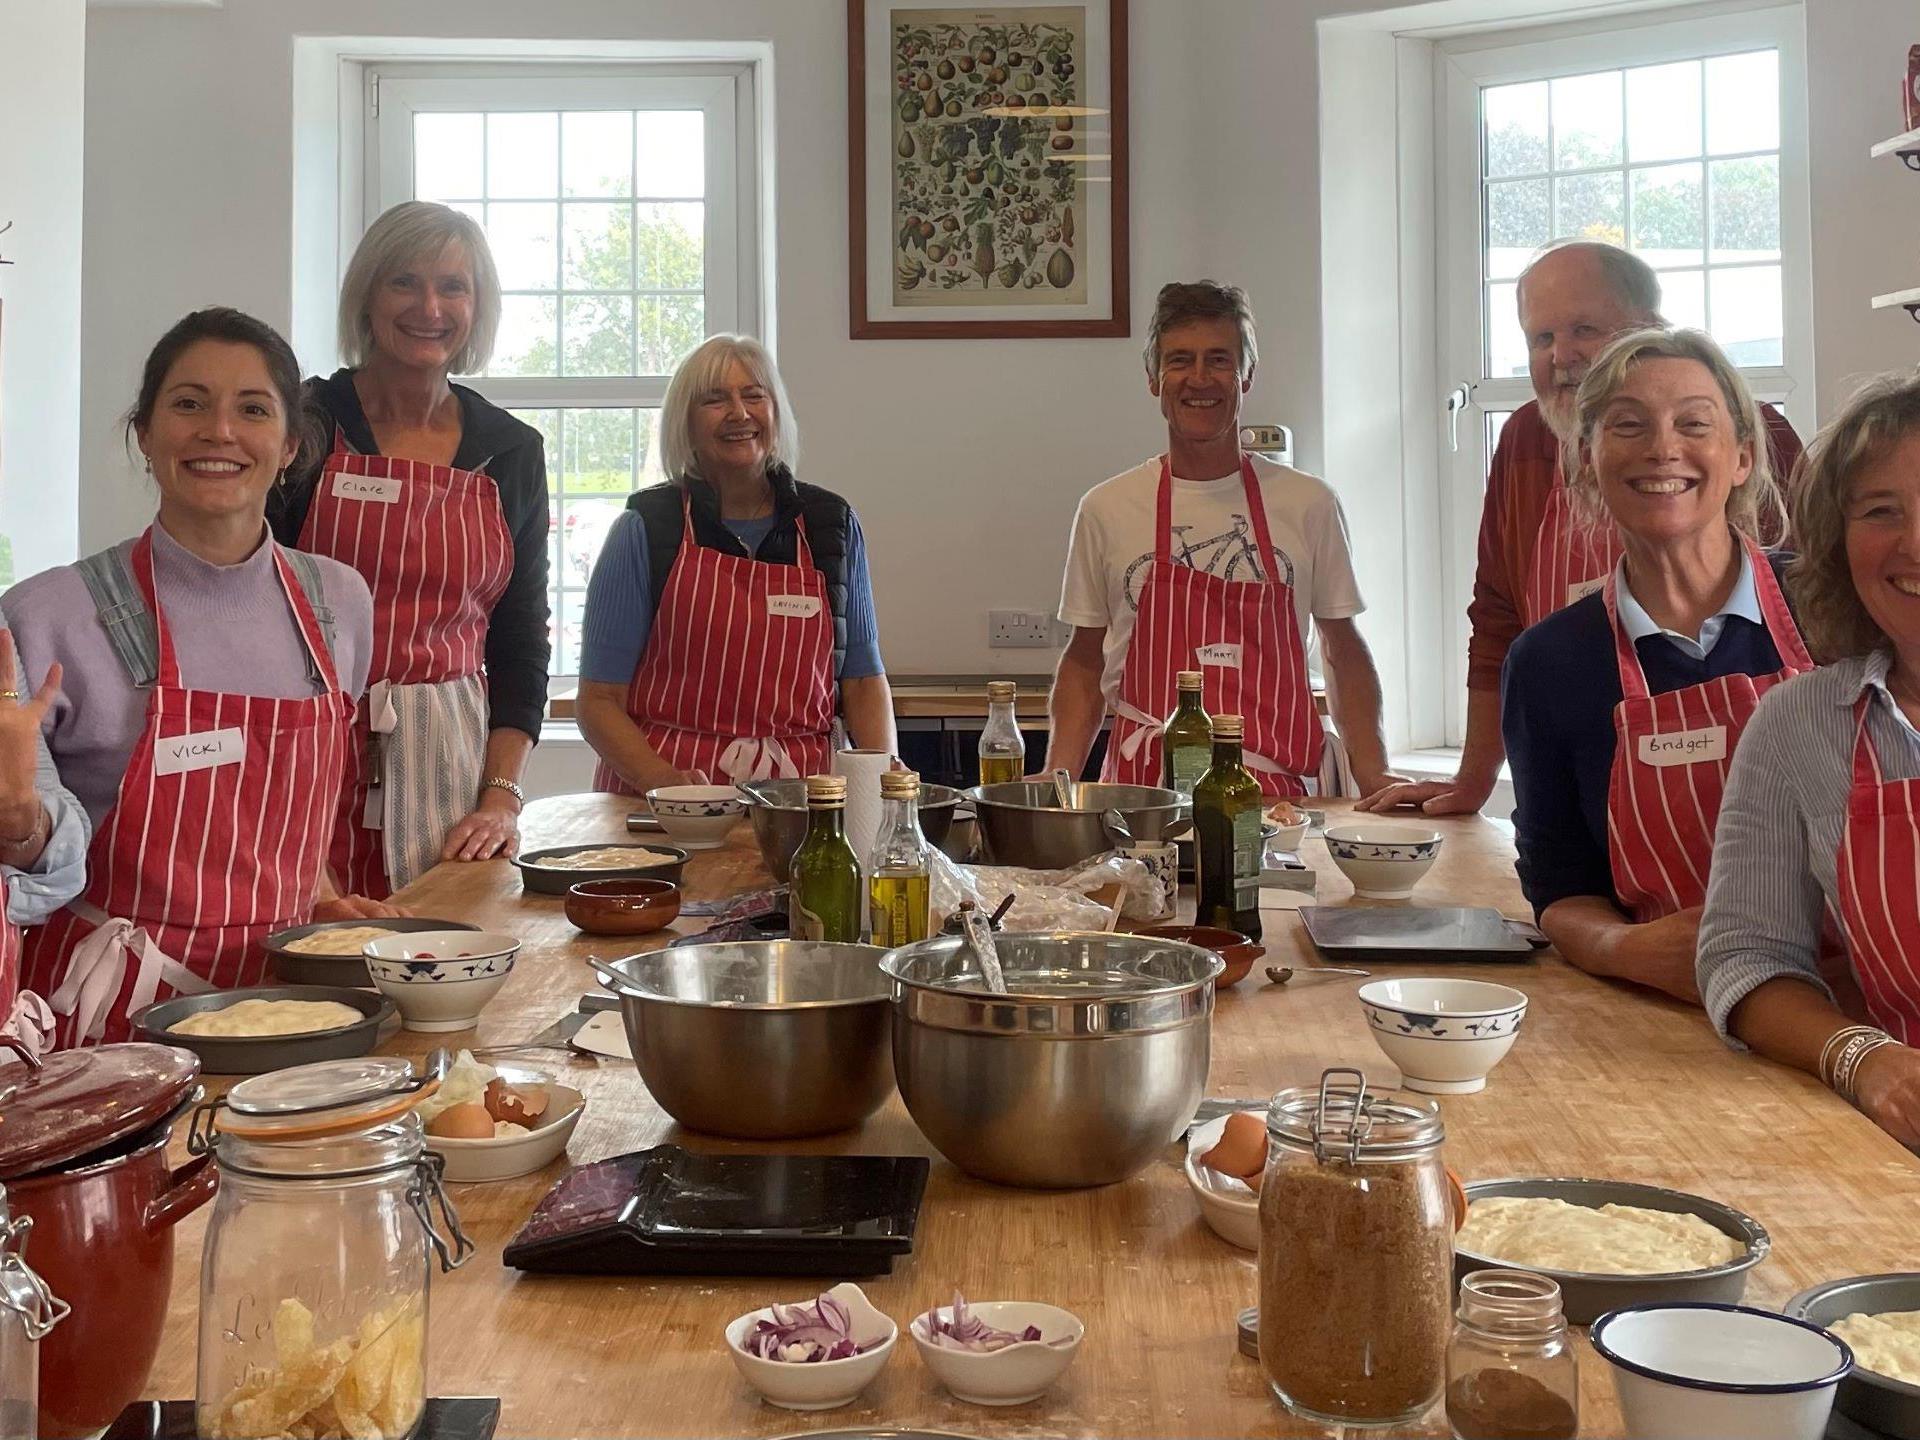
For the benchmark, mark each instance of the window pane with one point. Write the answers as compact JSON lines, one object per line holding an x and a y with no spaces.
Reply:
{"x":1663,"y":111}
{"x":525,"y":344}
{"x":1590,"y":206}
{"x":672,"y":247}
{"x":652,"y":469}
{"x":1683,"y":298}
{"x":1517,"y":225}
{"x":585,"y":524}
{"x":1496,"y":422}
{"x":1746,"y":208}
{"x":670,"y":154}
{"x":1669,"y":221}
{"x":1747,"y":314}
{"x":563,"y":631}
{"x":446,"y":156}
{"x":1506,"y":346}
{"x":596,"y":152}
{"x":1586,"y":121}
{"x":522,"y":240}
{"x":599,"y":335}
{"x":598,"y":459}
{"x":670,"y":327}
{"x":1743,"y":102}
{"x":599,"y":247}
{"x":523,"y":156}
{"x":547,"y":422}
{"x":1514,"y":118}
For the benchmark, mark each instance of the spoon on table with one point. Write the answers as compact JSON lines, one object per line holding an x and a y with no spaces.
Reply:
{"x":1281,"y":974}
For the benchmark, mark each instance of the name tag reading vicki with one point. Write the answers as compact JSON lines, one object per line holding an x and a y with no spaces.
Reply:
{"x":375,"y":489}
{"x":1226,"y":656}
{"x":799,"y":607}
{"x":177,"y":754}
{"x":1581,"y":589}
{"x":1684,"y":747}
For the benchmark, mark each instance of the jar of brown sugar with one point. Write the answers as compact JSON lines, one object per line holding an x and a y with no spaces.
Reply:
{"x":1511,"y":1375}
{"x":1356,"y":1254}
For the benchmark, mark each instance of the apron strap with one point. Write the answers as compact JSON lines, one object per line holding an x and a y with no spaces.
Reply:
{"x":1257,"y":513}
{"x":1866,"y":759}
{"x":1785,"y":634}
{"x":166,"y":663}
{"x":97,"y":968}
{"x":1633,"y":679}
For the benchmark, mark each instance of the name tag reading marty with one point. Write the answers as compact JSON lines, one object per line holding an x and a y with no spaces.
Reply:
{"x":1684,"y":747}
{"x":1583,"y":588}
{"x":1226,"y":656}
{"x":375,"y":489}
{"x":799,"y":607}
{"x":177,"y":754}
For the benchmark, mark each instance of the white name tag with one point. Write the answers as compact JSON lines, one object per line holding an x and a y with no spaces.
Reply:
{"x":1584,"y":588}
{"x":1227,"y":656}
{"x":800,"y":607}
{"x":375,"y":489}
{"x":1684,"y":747}
{"x":177,"y":754}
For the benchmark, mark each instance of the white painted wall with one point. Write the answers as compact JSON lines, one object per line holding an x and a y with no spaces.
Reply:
{"x":42,"y":122}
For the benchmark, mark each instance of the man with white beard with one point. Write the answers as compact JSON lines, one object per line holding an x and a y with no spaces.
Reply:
{"x":1537,"y":553}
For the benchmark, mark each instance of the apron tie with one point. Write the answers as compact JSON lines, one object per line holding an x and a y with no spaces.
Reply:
{"x":757,"y":759}
{"x":383,"y":718}
{"x":1144,"y":724}
{"x":97,"y":968}
{"x":31,"y":1023}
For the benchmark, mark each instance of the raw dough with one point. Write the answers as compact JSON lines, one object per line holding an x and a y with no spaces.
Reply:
{"x":344,"y":941}
{"x":612,"y":857}
{"x":1887,"y":1344}
{"x":269,"y":1017}
{"x":1610,"y":1240}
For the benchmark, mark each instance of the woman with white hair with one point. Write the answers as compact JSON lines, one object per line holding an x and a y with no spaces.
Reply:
{"x":439,"y":499}
{"x":730,"y":614}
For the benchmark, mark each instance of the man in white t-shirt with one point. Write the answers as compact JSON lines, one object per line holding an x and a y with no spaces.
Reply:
{"x":1237,"y":586}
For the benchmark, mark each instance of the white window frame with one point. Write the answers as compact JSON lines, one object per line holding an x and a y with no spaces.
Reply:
{"x":1465,"y":66}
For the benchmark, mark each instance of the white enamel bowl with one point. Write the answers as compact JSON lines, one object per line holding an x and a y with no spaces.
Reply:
{"x":697,"y":816}
{"x":1022,"y":1371}
{"x":1383,"y":861}
{"x":823,"y":1384}
{"x":502,"y":1158}
{"x":1445,"y":1035}
{"x":441,"y":979}
{"x":1712,"y":1372}
{"x":1228,"y":1204}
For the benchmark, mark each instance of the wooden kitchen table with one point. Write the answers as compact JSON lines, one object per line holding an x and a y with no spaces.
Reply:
{"x":1605,"y":1081}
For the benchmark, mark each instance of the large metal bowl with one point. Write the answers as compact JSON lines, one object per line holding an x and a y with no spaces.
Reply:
{"x":1021,"y":822}
{"x":1080,"y":1075}
{"x":1879,"y":1402}
{"x":778,"y":810}
{"x":761,"y":1039}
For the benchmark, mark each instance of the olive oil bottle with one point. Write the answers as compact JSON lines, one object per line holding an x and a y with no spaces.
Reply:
{"x":823,"y":896}
{"x":1003,"y":750}
{"x":900,"y":890}
{"x":1226,"y":823}
{"x":1187,"y":740}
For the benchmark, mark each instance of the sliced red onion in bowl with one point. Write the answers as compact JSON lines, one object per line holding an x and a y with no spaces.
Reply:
{"x":803,"y":1334}
{"x":963,"y":1330}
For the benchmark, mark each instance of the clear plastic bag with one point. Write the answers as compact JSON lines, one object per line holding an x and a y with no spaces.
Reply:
{"x":1043,"y":899}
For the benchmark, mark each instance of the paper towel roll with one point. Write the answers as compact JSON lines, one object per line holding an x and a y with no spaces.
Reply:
{"x":863,"y":769}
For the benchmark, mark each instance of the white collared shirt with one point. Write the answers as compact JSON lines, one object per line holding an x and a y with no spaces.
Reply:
{"x":1744,"y":601}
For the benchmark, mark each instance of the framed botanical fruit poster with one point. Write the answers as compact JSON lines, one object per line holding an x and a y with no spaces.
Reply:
{"x":987,"y":149}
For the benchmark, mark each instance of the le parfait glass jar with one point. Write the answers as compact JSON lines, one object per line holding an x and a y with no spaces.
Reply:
{"x":1511,"y":1375}
{"x":314,"y":1277}
{"x":28,"y":1310}
{"x":1356,"y":1254}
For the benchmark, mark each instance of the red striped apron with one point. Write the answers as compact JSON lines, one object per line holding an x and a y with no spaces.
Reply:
{"x":433,"y":545}
{"x":9,"y":957}
{"x":1878,"y":873}
{"x":737,"y":677}
{"x":1572,"y":557}
{"x":1241,"y":635}
{"x":1671,"y":756}
{"x":195,"y":865}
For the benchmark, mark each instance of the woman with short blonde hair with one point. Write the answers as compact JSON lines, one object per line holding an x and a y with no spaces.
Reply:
{"x":1822,"y":817}
{"x":730,"y":615}
{"x":1622,"y":711}
{"x":439,"y":499}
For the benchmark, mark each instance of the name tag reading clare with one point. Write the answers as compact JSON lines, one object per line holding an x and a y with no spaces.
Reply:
{"x":1684,"y":747}
{"x":1227,"y":656}
{"x":798,"y":607}
{"x":374,"y":489}
{"x":1580,"y":589}
{"x":204,"y":750}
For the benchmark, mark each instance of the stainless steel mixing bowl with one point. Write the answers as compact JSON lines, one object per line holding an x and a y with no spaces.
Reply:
{"x":1080,"y":1075}
{"x":1021,"y":822}
{"x":778,"y":810}
{"x":760,"y":1040}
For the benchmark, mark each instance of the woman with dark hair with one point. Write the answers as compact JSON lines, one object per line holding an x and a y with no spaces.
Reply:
{"x":207,"y":685}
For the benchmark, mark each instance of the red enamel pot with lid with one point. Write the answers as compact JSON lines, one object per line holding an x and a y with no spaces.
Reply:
{"x":83,"y":1154}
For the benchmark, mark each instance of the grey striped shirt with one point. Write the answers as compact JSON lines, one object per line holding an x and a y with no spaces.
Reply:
{"x":1781,"y":823}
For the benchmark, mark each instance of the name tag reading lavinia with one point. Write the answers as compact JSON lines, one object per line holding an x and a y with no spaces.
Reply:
{"x":375,"y":489}
{"x":1684,"y":747}
{"x":204,"y":750}
{"x":799,"y":607}
{"x":1225,"y":656}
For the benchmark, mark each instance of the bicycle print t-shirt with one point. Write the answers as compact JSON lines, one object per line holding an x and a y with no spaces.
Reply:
{"x":1112,"y":548}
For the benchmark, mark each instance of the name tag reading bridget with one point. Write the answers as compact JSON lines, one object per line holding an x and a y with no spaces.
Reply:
{"x":376,"y":489}
{"x":1684,"y":747}
{"x":177,"y":754}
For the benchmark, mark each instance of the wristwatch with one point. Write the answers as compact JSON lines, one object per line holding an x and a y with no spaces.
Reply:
{"x":495,"y":782}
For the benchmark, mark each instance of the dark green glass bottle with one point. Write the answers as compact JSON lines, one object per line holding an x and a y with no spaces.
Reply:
{"x":1226,"y":823}
{"x":824,"y":899}
{"x":1187,"y":739}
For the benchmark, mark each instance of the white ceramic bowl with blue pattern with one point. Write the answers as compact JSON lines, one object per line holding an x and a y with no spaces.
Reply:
{"x":440,"y":979}
{"x":1383,"y":861}
{"x":1445,"y":1035}
{"x":697,"y":816}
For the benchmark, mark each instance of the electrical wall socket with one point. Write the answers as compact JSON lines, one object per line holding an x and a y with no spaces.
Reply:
{"x":1019,"y":630}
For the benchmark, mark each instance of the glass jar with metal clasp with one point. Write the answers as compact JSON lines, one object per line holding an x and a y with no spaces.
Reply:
{"x":314,"y":1277}
{"x":28,"y":1310}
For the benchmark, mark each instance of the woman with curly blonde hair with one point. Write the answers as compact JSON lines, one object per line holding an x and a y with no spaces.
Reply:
{"x":1822,"y":815}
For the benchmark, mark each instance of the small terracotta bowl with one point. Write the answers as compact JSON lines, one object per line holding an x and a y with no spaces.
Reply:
{"x":623,"y":907}
{"x":1231,"y":946}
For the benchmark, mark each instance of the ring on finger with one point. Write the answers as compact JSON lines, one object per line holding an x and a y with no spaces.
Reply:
{"x":9,"y":694}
